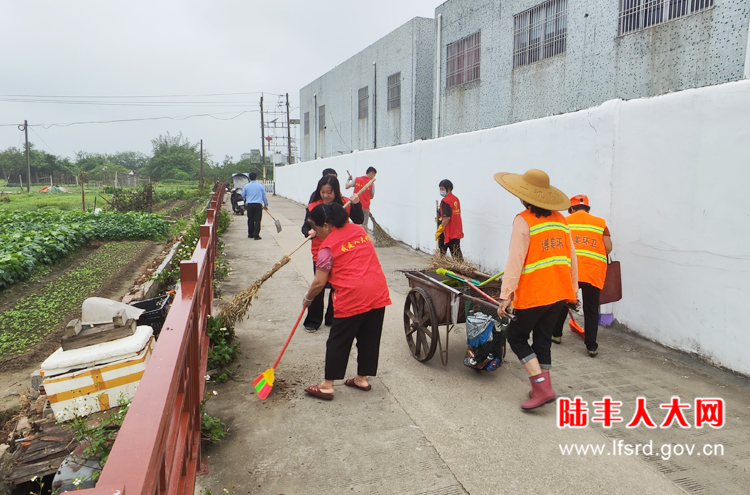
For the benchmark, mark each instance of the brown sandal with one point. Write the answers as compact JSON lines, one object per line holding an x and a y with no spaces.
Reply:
{"x":315,"y":391}
{"x":349,"y":382}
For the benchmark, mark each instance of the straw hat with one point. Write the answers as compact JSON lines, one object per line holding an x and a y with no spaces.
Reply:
{"x":533,"y":187}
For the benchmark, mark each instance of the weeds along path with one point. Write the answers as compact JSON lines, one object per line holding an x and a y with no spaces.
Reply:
{"x":34,"y":323}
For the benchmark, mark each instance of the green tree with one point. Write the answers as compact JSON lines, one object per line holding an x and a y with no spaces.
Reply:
{"x":131,"y":160}
{"x":174,"y":158}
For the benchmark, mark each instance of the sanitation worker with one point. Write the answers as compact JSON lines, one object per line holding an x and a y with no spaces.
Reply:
{"x":347,"y":260}
{"x":593,"y":243}
{"x":541,"y":276}
{"x":327,"y":192}
{"x":451,"y":229}
{"x":366,"y":196}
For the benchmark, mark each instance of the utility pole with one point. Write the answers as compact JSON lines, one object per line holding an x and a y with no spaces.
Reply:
{"x":28,"y":164}
{"x":263,"y":137}
{"x":201,"y":180}
{"x":288,"y":136}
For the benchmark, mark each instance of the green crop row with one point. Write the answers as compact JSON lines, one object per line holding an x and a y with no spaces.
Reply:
{"x":31,"y":239}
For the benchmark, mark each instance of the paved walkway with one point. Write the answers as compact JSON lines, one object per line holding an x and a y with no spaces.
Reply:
{"x":443,"y":430}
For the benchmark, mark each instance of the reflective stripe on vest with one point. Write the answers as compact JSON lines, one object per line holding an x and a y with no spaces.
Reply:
{"x":545,"y":277}
{"x":587,"y":232}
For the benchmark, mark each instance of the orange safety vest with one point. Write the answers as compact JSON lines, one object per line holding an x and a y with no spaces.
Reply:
{"x":545,"y":278}
{"x":455,"y":228}
{"x":588,"y":238}
{"x":357,"y":277}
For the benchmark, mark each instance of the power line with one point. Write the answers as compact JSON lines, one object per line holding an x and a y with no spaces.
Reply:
{"x":183,"y":117}
{"x":134,"y":96}
{"x":131,"y":103}
{"x":45,"y":142}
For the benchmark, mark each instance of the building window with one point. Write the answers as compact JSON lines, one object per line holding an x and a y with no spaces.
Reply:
{"x":364,"y":103}
{"x":463,"y":60}
{"x":394,"y":91}
{"x":540,"y":32}
{"x":641,"y":14}
{"x":307,"y":123}
{"x":321,"y":117}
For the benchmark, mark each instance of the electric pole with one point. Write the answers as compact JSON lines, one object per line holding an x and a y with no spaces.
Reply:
{"x":25,"y":129}
{"x":263,"y":137}
{"x":288,"y":135}
{"x":201,"y":181}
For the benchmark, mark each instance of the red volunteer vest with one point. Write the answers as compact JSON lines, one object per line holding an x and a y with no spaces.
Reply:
{"x":545,"y":278}
{"x":315,"y":243}
{"x":588,"y":238}
{"x":366,"y":196}
{"x":357,"y":278}
{"x":455,"y":228}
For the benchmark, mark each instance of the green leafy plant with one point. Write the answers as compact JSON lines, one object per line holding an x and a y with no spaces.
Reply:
{"x":223,"y":351}
{"x":212,"y":428}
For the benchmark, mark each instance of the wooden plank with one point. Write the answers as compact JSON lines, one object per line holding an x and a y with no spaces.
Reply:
{"x":98,"y":335}
{"x":28,"y":471}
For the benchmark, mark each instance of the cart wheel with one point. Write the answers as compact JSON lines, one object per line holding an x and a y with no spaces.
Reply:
{"x":420,"y":324}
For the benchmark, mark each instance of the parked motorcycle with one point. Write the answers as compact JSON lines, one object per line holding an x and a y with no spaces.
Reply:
{"x":238,"y":202}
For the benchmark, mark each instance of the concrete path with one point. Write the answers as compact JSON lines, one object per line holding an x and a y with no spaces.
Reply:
{"x":444,"y":430}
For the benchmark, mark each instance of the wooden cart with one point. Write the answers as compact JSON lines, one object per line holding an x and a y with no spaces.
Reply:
{"x":430,"y":304}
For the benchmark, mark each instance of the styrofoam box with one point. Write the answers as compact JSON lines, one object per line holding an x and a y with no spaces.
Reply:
{"x":79,"y":382}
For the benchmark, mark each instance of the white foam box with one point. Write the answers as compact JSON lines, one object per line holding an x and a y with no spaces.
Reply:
{"x":95,"y":378}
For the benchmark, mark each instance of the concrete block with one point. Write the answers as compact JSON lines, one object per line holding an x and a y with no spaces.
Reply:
{"x":36,"y":381}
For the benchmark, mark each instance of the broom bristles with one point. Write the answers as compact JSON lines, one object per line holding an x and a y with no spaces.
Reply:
{"x":439,"y":260}
{"x":381,"y":236}
{"x":237,"y":309}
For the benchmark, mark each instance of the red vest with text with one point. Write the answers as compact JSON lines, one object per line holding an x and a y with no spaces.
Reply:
{"x":545,"y":278}
{"x":315,"y":243}
{"x":366,"y":196}
{"x":357,"y":278}
{"x":455,"y":228}
{"x":588,"y":238}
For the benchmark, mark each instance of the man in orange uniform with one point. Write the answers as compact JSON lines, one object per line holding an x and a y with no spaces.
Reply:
{"x":366,"y":196}
{"x":451,"y":229}
{"x":540,"y":276}
{"x":593,"y":243}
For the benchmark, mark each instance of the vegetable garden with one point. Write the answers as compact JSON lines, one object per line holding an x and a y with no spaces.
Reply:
{"x":30,"y":240}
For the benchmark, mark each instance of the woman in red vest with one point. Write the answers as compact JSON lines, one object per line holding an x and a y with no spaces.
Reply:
{"x":327,"y":192}
{"x":541,"y":276}
{"x":347,"y":260}
{"x":451,"y":229}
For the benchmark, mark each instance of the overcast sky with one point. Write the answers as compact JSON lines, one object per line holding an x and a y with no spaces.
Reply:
{"x":140,"y":51}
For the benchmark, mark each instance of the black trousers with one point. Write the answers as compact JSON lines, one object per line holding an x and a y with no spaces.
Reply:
{"x":314,"y":316}
{"x":540,"y":323}
{"x":366,"y":328}
{"x":590,"y":316}
{"x":454,"y":245}
{"x":254,"y":214}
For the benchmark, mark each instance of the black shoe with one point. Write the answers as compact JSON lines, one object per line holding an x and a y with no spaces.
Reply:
{"x":257,"y":238}
{"x":249,"y":236}
{"x":593,"y":352}
{"x":310,"y":329}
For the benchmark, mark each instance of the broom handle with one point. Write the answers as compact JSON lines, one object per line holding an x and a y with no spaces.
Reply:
{"x":288,"y":339}
{"x":300,"y":245}
{"x":356,"y":195}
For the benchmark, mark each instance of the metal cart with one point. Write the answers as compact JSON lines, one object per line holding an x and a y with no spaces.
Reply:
{"x":430,"y":304}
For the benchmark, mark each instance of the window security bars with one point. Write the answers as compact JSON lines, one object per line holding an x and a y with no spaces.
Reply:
{"x":636,"y":15}
{"x":394,"y":91}
{"x":463,"y":60}
{"x":321,"y":117}
{"x":540,"y":32}
{"x":364,"y":99}
{"x":307,"y":123}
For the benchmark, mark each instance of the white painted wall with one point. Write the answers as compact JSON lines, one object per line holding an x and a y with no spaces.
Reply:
{"x":670,"y":174}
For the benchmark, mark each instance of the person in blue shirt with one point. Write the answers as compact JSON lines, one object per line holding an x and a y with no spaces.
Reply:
{"x":255,"y":202}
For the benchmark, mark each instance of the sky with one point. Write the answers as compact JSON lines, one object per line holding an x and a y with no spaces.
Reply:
{"x":69,"y":61}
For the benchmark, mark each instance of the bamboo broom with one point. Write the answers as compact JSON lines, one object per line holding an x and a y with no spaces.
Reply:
{"x":237,"y":309}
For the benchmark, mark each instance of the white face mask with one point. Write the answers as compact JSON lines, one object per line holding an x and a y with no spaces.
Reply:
{"x":443,"y":193}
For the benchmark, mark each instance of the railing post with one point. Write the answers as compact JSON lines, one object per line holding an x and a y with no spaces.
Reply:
{"x":205,"y":235}
{"x":188,"y":278}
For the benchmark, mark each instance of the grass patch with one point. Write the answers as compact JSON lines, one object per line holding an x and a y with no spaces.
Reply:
{"x":39,"y":314}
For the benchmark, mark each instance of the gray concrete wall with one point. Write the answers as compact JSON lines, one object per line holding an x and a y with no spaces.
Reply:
{"x":702,"y":49}
{"x":410,"y":50}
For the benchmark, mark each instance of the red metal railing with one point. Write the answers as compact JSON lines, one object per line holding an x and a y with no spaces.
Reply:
{"x":157,"y":450}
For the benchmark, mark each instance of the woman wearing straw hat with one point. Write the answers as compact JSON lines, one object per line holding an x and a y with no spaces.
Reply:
{"x":541,"y":276}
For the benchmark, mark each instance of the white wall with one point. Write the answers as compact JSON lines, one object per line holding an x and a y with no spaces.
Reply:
{"x":670,"y":174}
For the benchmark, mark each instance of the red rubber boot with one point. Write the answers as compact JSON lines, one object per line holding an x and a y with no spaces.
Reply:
{"x":546,"y":374}
{"x":541,"y":392}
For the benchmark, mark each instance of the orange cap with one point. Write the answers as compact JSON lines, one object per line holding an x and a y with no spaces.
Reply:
{"x":579,"y":199}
